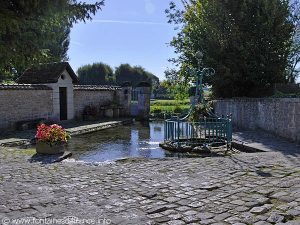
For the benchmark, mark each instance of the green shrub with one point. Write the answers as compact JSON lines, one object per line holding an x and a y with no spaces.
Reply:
{"x":178,"y":109}
{"x":199,"y":111}
{"x":156,"y":110}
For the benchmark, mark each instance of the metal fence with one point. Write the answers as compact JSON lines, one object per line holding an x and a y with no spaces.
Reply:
{"x":206,"y":132}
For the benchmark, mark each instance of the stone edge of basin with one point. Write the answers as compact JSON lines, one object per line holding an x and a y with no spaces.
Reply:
{"x":25,"y":143}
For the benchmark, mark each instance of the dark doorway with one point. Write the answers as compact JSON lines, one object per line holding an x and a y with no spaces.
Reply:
{"x":63,"y":103}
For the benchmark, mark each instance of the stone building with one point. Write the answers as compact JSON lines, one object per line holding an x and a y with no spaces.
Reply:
{"x":60,"y":78}
{"x":50,"y":92}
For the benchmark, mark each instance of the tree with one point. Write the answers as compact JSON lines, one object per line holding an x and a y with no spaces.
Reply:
{"x":177,"y":83}
{"x":95,"y":74}
{"x":59,"y":44}
{"x":135,"y":75}
{"x":100,"y":73}
{"x":292,"y":70}
{"x":30,"y":31}
{"x":247,"y":42}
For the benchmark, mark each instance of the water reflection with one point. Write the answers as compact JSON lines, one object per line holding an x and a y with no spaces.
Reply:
{"x":137,"y":140}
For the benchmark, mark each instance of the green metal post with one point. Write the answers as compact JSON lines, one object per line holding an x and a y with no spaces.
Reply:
{"x":178,"y":131}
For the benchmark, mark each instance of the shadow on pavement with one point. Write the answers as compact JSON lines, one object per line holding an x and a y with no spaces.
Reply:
{"x":49,"y":159}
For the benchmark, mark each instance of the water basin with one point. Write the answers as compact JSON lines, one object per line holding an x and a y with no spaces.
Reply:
{"x":136,"y":140}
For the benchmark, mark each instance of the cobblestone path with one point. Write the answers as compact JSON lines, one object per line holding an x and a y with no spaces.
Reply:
{"x":259,"y":189}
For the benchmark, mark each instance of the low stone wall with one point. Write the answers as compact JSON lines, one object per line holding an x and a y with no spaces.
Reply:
{"x":24,"y":103}
{"x":280,"y":116}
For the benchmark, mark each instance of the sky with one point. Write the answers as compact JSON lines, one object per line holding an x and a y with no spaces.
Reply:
{"x":125,"y":31}
{"x":131,"y":31}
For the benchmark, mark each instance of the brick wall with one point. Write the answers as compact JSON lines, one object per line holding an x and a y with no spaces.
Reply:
{"x":19,"y":105}
{"x":280,"y":116}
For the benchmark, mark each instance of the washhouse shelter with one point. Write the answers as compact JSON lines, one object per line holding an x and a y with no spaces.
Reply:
{"x":60,"y":77}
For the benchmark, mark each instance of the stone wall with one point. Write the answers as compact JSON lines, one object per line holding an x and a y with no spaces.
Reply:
{"x":93,"y":97}
{"x":280,"y":116}
{"x":27,"y":104}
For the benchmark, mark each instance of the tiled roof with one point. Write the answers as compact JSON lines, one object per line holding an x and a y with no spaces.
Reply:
{"x":46,"y":73}
{"x":24,"y":87}
{"x":96,"y":87}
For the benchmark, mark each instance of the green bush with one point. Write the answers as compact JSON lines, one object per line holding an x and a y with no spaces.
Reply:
{"x":199,"y":111}
{"x":156,"y":110}
{"x":178,"y":109}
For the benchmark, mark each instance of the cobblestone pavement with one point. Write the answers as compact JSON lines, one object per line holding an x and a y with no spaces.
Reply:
{"x":264,"y":141}
{"x":256,"y":188}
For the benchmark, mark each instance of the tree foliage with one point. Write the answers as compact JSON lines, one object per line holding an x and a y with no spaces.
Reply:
{"x":293,"y":70}
{"x":134,"y":75}
{"x":177,"y":84}
{"x":37,"y":31}
{"x":59,"y":44}
{"x":95,"y":74}
{"x":103,"y":74}
{"x":248,"y":42}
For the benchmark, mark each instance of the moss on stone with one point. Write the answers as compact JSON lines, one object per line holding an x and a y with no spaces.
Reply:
{"x":29,"y":151}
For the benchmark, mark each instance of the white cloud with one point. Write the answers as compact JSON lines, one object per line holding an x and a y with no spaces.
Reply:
{"x":129,"y":22}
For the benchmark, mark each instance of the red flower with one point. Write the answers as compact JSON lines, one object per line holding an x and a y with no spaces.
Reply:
{"x":53,"y":133}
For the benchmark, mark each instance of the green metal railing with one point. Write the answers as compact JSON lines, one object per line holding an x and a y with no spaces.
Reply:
{"x":206,"y":132}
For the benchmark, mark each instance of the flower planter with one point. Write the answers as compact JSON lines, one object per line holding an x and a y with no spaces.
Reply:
{"x":50,"y":148}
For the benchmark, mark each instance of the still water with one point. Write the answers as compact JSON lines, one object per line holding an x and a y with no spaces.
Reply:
{"x":136,"y":140}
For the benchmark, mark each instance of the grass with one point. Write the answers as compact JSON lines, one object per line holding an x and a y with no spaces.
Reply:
{"x":169,"y":106}
{"x":170,"y":102}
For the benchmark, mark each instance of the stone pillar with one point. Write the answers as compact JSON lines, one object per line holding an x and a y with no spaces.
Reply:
{"x":125,"y":97}
{"x":144,"y":94}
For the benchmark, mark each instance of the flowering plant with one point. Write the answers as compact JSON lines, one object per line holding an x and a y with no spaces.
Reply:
{"x":53,"y":133}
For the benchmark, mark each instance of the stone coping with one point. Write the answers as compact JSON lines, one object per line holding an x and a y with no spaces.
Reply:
{"x":96,"y":88}
{"x":23,"y":138}
{"x":75,"y":131}
{"x":266,"y":99}
{"x":24,"y":87}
